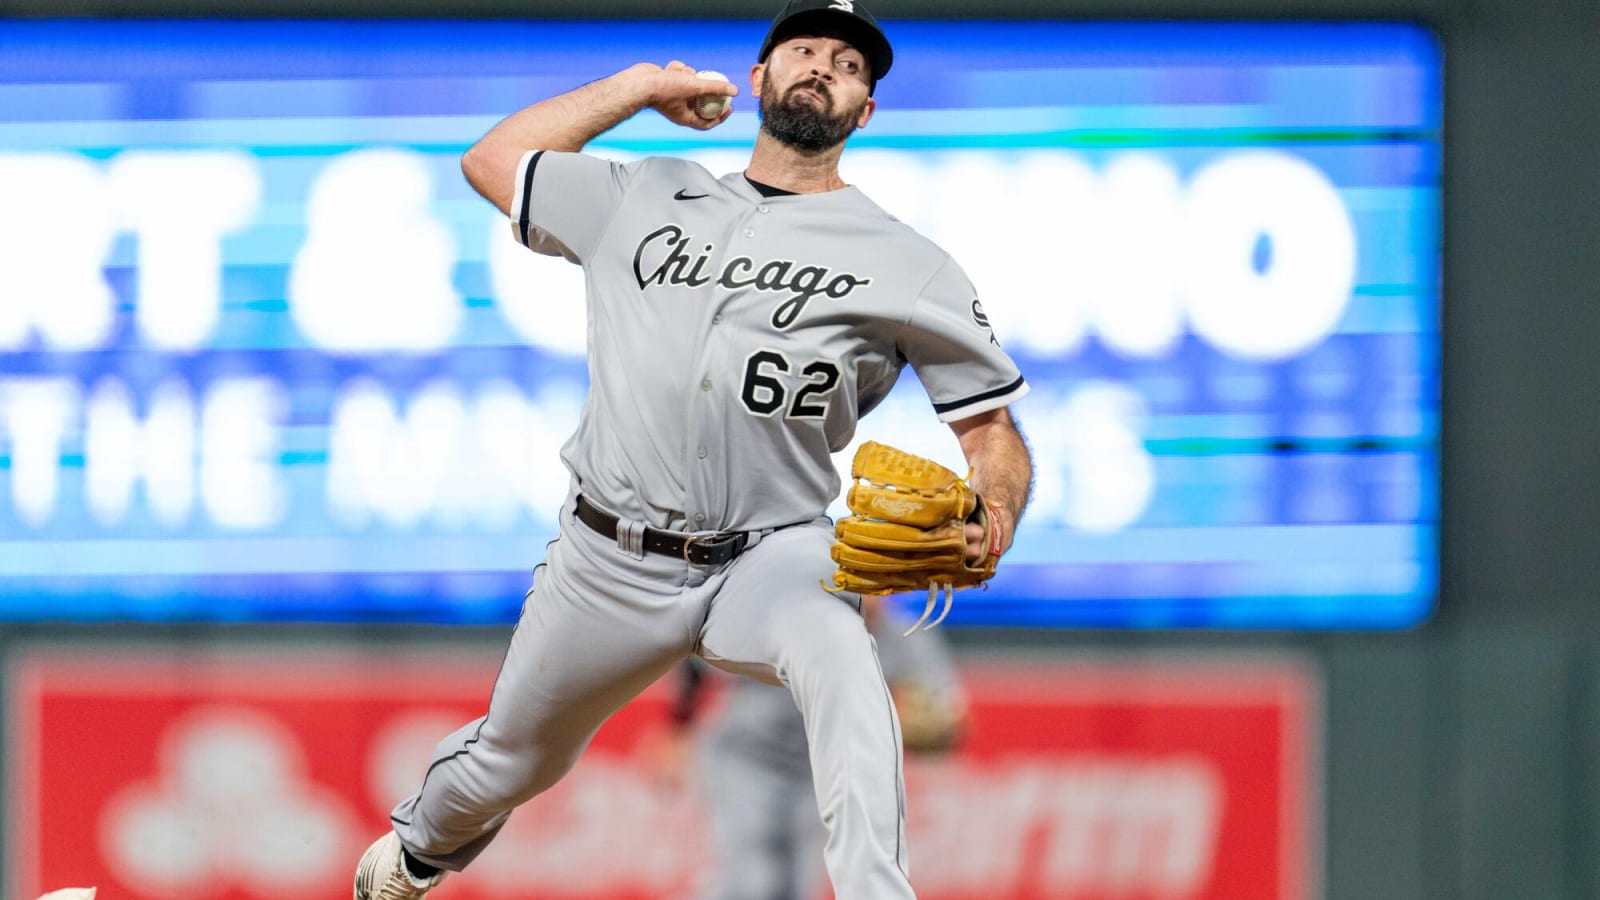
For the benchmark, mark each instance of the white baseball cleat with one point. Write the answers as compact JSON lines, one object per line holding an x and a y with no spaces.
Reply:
{"x":382,"y":875}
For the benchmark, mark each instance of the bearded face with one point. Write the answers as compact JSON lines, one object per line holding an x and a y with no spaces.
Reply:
{"x":807,"y":123}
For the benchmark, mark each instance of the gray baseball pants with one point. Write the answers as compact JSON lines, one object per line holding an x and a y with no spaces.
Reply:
{"x":600,"y":625}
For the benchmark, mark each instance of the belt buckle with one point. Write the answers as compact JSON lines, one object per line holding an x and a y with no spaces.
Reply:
{"x":712,"y":541}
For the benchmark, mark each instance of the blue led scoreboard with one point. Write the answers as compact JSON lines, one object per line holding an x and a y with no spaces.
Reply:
{"x":265,"y":356}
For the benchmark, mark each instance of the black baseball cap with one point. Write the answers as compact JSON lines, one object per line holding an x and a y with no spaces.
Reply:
{"x":849,"y":18}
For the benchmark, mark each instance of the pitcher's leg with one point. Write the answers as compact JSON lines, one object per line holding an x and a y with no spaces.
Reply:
{"x":588,"y":641}
{"x":771,"y":619}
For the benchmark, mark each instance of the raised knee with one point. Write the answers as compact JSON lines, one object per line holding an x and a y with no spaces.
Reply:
{"x":837,"y":649}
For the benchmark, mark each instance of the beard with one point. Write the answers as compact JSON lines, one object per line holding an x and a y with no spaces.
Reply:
{"x":801,"y":124}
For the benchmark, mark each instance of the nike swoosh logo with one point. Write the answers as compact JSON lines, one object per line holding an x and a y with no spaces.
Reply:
{"x":685,"y":195}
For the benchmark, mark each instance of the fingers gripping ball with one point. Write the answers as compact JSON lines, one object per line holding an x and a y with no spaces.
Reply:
{"x":711,"y":106}
{"x":907,"y":530}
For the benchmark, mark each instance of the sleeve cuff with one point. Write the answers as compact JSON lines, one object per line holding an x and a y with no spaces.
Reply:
{"x":957,"y":410}
{"x":522,"y":199}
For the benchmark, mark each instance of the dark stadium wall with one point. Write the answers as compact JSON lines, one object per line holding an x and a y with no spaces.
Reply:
{"x":1459,"y":757}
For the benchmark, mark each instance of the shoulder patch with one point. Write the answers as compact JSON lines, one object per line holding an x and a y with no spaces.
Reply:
{"x":982,"y":320}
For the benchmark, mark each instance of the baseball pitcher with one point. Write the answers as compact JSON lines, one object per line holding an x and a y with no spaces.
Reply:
{"x":739,"y":326}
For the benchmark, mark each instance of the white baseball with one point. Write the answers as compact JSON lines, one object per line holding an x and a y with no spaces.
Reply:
{"x":710,"y":106}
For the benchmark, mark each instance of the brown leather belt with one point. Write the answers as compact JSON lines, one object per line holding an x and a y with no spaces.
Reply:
{"x":701,"y":550}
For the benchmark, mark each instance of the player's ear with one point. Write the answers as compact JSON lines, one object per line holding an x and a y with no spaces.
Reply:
{"x":866,"y":113}
{"x":756,"y":71}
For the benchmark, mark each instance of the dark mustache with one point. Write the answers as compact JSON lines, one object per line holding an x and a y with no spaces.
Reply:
{"x":814,"y":84}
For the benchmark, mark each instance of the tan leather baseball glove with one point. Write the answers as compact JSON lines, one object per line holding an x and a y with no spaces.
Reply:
{"x":907,"y":530}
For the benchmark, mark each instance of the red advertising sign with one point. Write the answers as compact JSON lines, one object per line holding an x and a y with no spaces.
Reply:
{"x":257,"y":776}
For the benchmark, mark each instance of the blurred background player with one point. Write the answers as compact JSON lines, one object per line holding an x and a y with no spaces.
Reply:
{"x":754,"y":770}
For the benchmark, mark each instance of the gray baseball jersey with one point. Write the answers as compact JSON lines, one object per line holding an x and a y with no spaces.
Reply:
{"x":735,"y":339}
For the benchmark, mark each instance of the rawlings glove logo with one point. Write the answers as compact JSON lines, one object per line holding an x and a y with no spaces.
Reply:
{"x":893,"y":508}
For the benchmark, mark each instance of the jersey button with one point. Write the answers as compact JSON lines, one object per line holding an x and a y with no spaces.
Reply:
{"x":761,"y":209}
{"x":699,"y":518}
{"x":702,"y":451}
{"x":705,"y":384}
{"x":716,"y":319}
{"x":749,"y":232}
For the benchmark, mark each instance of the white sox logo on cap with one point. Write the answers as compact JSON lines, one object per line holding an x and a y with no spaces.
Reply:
{"x":676,"y":266}
{"x":849,"y":18}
